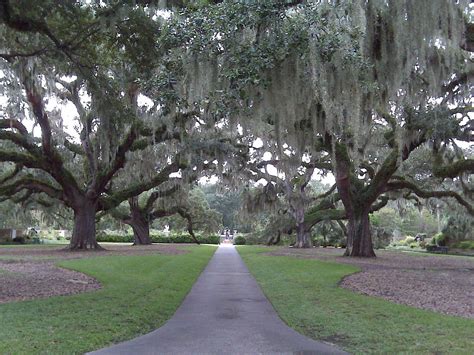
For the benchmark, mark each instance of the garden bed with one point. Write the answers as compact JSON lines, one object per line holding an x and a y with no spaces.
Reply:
{"x":30,"y":272}
{"x":443,"y":284}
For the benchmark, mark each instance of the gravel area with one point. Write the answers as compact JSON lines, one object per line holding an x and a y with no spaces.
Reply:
{"x":29,"y":272}
{"x":444,"y":284}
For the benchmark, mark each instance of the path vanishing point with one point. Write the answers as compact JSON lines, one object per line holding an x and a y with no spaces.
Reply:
{"x":225,"y":312}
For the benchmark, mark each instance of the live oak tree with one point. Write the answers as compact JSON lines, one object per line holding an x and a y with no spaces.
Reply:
{"x":99,"y":59}
{"x":365,"y":82}
{"x":289,"y":180}
{"x":172,"y":202}
{"x":204,"y":218}
{"x":143,"y":210}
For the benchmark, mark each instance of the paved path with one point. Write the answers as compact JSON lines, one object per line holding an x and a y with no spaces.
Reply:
{"x":225,"y":313}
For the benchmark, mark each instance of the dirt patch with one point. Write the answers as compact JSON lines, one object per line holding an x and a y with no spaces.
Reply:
{"x":27,"y":279}
{"x":29,"y":272}
{"x":438,"y":283}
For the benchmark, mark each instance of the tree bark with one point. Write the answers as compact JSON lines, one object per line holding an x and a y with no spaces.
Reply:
{"x":139,"y":222}
{"x":141,"y":229}
{"x":359,"y":235}
{"x":303,"y":237}
{"x":83,"y":234}
{"x":356,"y":204}
{"x":274,"y":240}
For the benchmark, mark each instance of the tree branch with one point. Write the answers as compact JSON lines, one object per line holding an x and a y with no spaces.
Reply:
{"x":398,"y":185}
{"x":453,"y":170}
{"x":106,"y":203}
{"x":33,"y":185}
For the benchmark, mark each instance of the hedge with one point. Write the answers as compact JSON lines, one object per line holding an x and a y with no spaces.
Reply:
{"x":175,"y":238}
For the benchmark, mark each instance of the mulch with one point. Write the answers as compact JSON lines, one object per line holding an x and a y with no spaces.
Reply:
{"x":432,"y":282}
{"x":28,"y":273}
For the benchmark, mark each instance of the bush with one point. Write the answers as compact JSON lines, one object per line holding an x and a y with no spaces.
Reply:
{"x":439,"y":239}
{"x":465,"y":244}
{"x":381,"y":238}
{"x":255,"y":238}
{"x":409,"y":240}
{"x":157,"y":238}
{"x":239,"y":240}
{"x":51,"y":234}
{"x":114,"y":238}
{"x":185,"y":238}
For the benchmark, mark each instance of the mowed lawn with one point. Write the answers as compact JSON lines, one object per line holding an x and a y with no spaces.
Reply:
{"x":306,"y":295}
{"x":139,"y":294}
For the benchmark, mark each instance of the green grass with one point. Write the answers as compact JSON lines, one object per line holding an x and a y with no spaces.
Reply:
{"x":16,"y":245}
{"x":306,"y":295}
{"x":139,"y":294}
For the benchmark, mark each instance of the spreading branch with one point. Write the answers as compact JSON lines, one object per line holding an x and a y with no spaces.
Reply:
{"x":399,"y":185}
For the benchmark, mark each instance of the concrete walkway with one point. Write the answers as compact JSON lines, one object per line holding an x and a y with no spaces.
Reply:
{"x":225,"y":313}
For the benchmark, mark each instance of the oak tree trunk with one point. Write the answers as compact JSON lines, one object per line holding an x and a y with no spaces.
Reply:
{"x":83,"y":234}
{"x":303,"y":237}
{"x":141,"y":230}
{"x":359,"y":235}
{"x":274,"y":239}
{"x":139,"y":222}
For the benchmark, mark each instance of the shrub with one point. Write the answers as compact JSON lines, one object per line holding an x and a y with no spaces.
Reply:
{"x":465,"y":244}
{"x":439,"y":239}
{"x":157,"y":238}
{"x":114,"y":238}
{"x":414,"y":245}
{"x":409,"y":239}
{"x":51,"y":234}
{"x":185,"y":238}
{"x":381,"y":238}
{"x":239,"y":240}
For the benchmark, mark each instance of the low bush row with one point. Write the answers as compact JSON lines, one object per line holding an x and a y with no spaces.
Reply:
{"x":240,"y":240}
{"x":466,"y":244}
{"x":173,"y":238}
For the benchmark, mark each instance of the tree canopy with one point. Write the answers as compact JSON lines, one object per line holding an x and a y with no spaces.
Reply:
{"x":358,"y":89}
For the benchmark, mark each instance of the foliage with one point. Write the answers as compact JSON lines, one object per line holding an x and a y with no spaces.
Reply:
{"x":405,"y":219}
{"x":254,"y":238}
{"x":185,"y":238}
{"x":52,"y":234}
{"x":355,"y":322}
{"x":439,"y":239}
{"x":240,"y":240}
{"x":159,"y":238}
{"x":459,"y":227}
{"x":227,"y":202}
{"x":138,"y":295}
{"x":381,"y":238}
{"x":328,"y":233}
{"x":204,"y":217}
{"x":114,"y":238}
{"x":465,"y":244}
{"x":365,"y":93}
{"x":98,"y":67}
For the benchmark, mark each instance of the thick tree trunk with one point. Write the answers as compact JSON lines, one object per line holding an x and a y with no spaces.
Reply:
{"x":141,"y":230}
{"x":83,"y":234}
{"x":274,"y":239}
{"x":356,"y":204}
{"x":303,"y":237}
{"x":139,"y":222}
{"x":359,"y":235}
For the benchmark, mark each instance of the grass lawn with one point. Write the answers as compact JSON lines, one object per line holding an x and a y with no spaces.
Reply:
{"x":139,"y":294}
{"x":306,"y":295}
